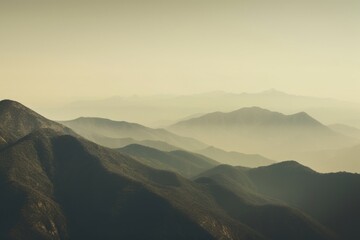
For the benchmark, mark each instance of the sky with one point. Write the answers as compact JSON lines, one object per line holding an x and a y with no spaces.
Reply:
{"x":66,"y":50}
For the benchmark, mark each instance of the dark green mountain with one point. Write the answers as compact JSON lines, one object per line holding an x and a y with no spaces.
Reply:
{"x":57,"y":186}
{"x":332,"y":199}
{"x":16,"y":121}
{"x":186,"y":163}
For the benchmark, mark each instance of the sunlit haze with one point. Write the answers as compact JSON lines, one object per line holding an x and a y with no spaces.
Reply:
{"x":62,"y":51}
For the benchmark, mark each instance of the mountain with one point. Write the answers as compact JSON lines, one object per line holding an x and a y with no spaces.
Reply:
{"x":257,"y":130}
{"x":106,"y":132}
{"x":17,"y":121}
{"x":169,"y":109}
{"x":185,"y":163}
{"x":332,"y":199}
{"x":236,"y":181}
{"x":236,"y":158}
{"x":122,"y":142}
{"x":344,"y":159}
{"x":59,"y":186}
{"x":346,"y":130}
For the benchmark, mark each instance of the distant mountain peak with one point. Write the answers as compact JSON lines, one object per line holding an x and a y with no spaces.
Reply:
{"x":100,"y":120}
{"x":253,"y":115}
{"x":274,"y":91}
{"x":289,"y":166}
{"x":253,"y":109}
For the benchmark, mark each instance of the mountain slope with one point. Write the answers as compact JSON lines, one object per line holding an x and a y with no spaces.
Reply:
{"x":16,"y":121}
{"x":346,"y":130}
{"x":75,"y":189}
{"x":186,"y":163}
{"x":333,"y":199}
{"x":262,"y":131}
{"x":98,"y":191}
{"x":98,"y":129}
{"x":58,"y":186}
{"x":234,"y":180}
{"x":335,"y":160}
{"x":122,"y":142}
{"x":236,"y":158}
{"x":272,"y":216}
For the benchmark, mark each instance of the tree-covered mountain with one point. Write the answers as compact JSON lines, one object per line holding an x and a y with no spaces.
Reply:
{"x":332,"y":199}
{"x":16,"y":121}
{"x":185,"y":163}
{"x":56,"y":185}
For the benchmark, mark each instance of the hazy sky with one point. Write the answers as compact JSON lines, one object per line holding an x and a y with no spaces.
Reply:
{"x":73,"y":49}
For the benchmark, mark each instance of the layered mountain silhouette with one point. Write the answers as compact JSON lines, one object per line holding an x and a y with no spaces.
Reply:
{"x":123,"y":142}
{"x":118,"y":134}
{"x":262,"y":131}
{"x":185,"y":163}
{"x":56,"y":185}
{"x":346,"y":130}
{"x":236,"y":158}
{"x":344,"y":159}
{"x":107,"y":133}
{"x":164,"y":110}
{"x":332,"y":199}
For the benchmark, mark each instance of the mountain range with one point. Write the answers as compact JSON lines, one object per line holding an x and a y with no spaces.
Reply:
{"x":164,"y":110}
{"x":185,"y":163}
{"x":332,"y":199}
{"x":236,"y":158}
{"x":346,"y":130}
{"x":57,"y":185}
{"x":258,"y":130}
{"x":114,"y":133}
{"x":118,"y":134}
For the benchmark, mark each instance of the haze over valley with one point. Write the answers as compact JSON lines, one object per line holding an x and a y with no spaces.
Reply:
{"x":179,"y":120}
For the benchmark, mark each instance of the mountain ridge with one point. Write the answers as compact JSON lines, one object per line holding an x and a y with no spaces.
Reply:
{"x":265,"y":132}
{"x":97,"y":128}
{"x":60,"y":186}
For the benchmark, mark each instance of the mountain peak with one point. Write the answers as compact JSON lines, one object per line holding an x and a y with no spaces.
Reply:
{"x":254,"y":115}
{"x":273,"y":91}
{"x":7,"y":104}
{"x":16,"y":121}
{"x":289,"y":166}
{"x":253,"y":109}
